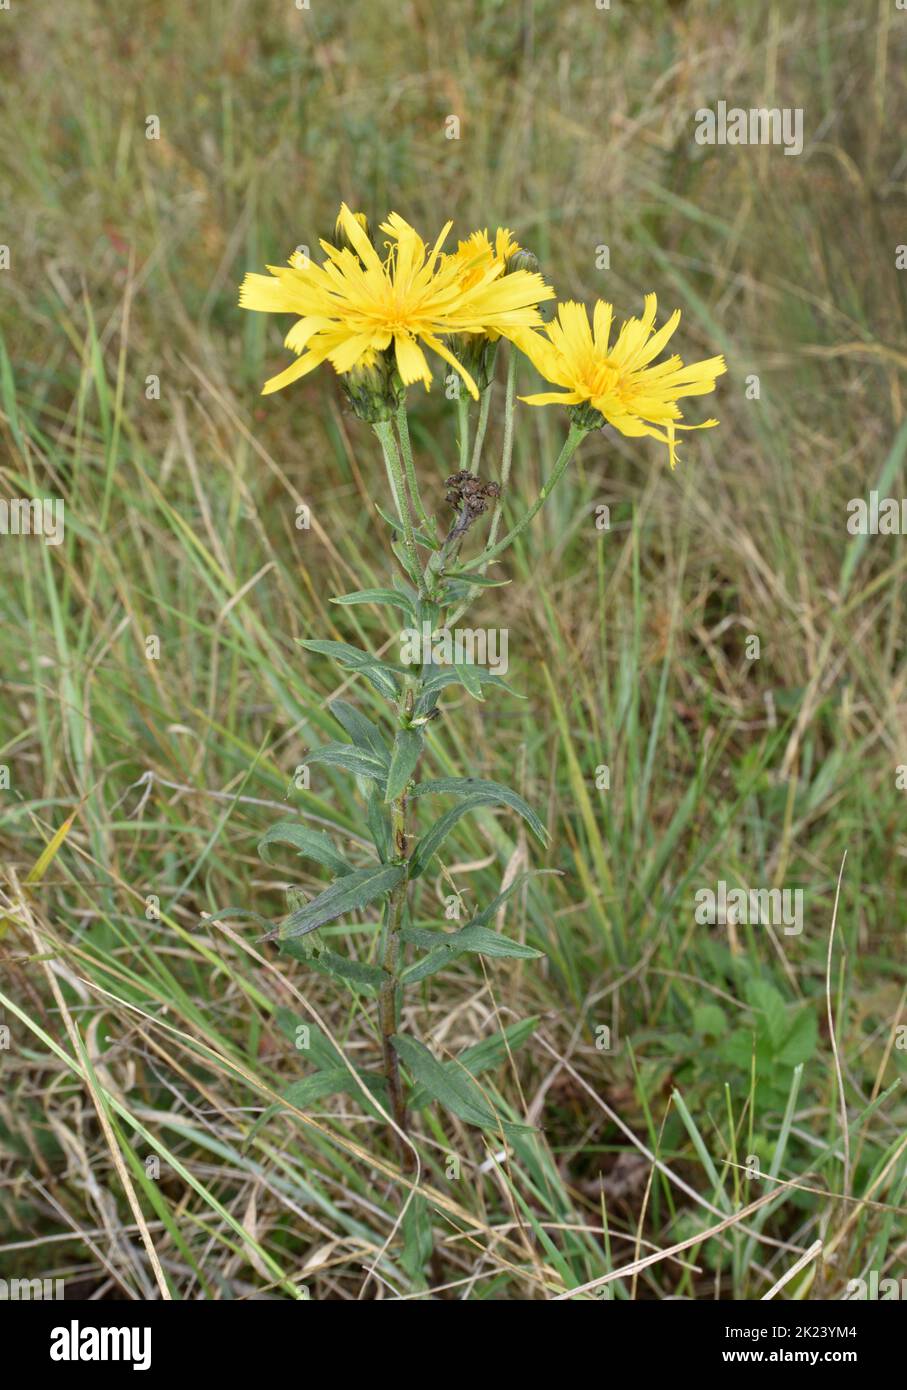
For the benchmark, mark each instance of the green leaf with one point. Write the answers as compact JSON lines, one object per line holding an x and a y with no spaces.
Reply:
{"x":383,"y":676}
{"x":738,"y":1049}
{"x":349,"y":757}
{"x":339,"y":967}
{"x":226,"y":912}
{"x":800,"y":1043}
{"x":379,"y":826}
{"x":487,"y":791}
{"x":480,"y":581}
{"x":452,"y":1086}
{"x":317,"y":1086}
{"x":314,"y":844}
{"x":395,"y":597}
{"x":490,"y":1052}
{"x":484,"y":917}
{"x":407,"y":748}
{"x":417,"y":1238}
{"x":394,"y":522}
{"x":767,"y":1000}
{"x":349,"y":893}
{"x":320,"y":1051}
{"x":333,"y":1081}
{"x":361,"y":730}
{"x":447,"y":675}
{"x":484,"y":1055}
{"x":487,"y":794}
{"x":709,"y":1021}
{"x":471,"y":678}
{"x":471,"y":939}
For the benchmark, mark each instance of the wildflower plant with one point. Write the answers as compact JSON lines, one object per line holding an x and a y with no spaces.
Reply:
{"x":378,"y":311}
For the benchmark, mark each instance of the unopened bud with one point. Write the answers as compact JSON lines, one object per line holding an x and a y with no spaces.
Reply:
{"x":374,"y":391}
{"x":476,"y":353}
{"x":521,"y":260}
{"x":585,"y":416}
{"x":340,"y":237}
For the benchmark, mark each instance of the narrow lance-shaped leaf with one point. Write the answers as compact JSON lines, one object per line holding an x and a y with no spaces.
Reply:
{"x":434,"y":837}
{"x":314,"y":844}
{"x":394,"y":597}
{"x":452,"y":1086}
{"x":473,"y":938}
{"x":353,"y":891}
{"x":430,"y":938}
{"x":471,"y":678}
{"x":394,"y":523}
{"x":407,"y":748}
{"x":487,"y":791}
{"x":338,"y":967}
{"x":337,"y":1081}
{"x":364,"y":733}
{"x":382,"y":674}
{"x":443,"y":676}
{"x":483,"y":1056}
{"x":349,"y":757}
{"x":379,"y":825}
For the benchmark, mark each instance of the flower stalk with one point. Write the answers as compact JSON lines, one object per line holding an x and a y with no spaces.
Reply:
{"x":385,"y":432}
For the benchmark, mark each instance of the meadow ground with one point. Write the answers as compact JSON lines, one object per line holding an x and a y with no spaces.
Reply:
{"x":147,"y":1051}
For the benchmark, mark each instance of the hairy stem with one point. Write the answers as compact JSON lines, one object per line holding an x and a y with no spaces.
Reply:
{"x":406,"y":449}
{"x":385,"y":432}
{"x":574,"y":436}
{"x":392,"y":955}
{"x":387,"y":999}
{"x":481,"y":427}
{"x":507,"y":452}
{"x":463,"y":419}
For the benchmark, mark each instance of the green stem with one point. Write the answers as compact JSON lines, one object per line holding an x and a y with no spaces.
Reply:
{"x":482,"y":426}
{"x":406,"y":449}
{"x":570,"y":446}
{"x":463,"y":418}
{"x":507,"y":453}
{"x":385,"y":432}
{"x":390,"y":964}
{"x":392,"y":954}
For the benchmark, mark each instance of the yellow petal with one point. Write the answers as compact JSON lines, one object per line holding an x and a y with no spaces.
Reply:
{"x":411,"y":360}
{"x":437,"y":346}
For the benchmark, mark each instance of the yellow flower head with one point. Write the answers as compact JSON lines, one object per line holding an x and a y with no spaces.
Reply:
{"x":617,"y":381}
{"x":357,"y":305}
{"x":474,"y":255}
{"x":473,"y":258}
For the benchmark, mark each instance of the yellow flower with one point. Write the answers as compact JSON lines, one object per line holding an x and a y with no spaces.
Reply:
{"x":474,"y":255}
{"x":617,"y":380}
{"x":355,"y":305}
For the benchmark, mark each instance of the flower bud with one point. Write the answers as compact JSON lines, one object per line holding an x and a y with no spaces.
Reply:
{"x":586,"y":416}
{"x":340,"y":237}
{"x":374,"y":390}
{"x":521,"y":260}
{"x":476,"y":352}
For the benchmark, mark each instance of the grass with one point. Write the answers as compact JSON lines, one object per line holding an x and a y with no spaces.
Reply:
{"x":143,"y":1147}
